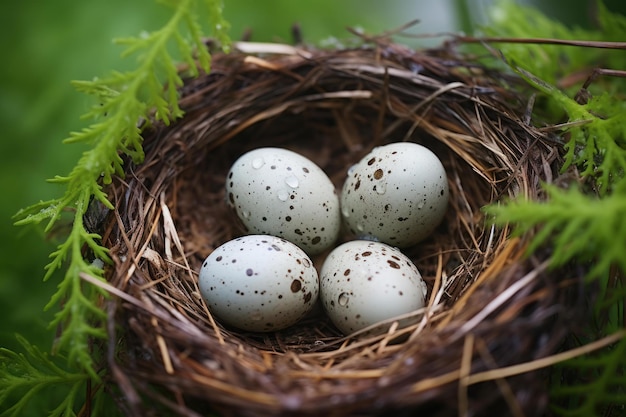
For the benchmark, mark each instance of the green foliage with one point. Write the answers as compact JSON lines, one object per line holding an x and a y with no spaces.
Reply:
{"x":597,"y":142}
{"x":602,"y":387}
{"x":578,"y":222}
{"x":553,"y":62}
{"x":123,"y":100}
{"x":549,"y":62}
{"x":22,"y":377}
{"x":559,"y":65}
{"x":582,"y":224}
{"x":578,"y":226}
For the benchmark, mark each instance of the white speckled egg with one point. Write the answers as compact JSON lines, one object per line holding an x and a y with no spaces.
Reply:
{"x":397,"y":194}
{"x":279,"y":192}
{"x":259,"y":283}
{"x":364,"y":282}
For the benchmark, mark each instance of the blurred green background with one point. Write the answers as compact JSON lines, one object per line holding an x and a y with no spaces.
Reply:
{"x":46,"y":44}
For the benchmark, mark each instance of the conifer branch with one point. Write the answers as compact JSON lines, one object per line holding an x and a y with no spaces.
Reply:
{"x":146,"y":93}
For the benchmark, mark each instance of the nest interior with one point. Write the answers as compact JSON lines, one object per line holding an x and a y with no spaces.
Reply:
{"x":489,"y":306}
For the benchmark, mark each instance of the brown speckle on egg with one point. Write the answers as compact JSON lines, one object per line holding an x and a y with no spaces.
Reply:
{"x":393,"y":264}
{"x":296,"y":285}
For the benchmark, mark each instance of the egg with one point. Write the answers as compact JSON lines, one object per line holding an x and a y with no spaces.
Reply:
{"x":396,"y":194}
{"x":259,"y":283}
{"x":364,"y":282}
{"x":279,"y":192}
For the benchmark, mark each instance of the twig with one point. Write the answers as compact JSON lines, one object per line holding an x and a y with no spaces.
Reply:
{"x":542,"y":41}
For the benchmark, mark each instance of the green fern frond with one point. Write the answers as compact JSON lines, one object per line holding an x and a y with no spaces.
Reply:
{"x":123,"y":100}
{"x":577,"y":226}
{"x":22,"y":377}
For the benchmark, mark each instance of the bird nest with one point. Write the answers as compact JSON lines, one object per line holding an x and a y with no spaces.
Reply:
{"x":490,"y":308}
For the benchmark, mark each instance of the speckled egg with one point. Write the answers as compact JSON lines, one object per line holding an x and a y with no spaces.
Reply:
{"x":363,"y":283}
{"x":396,"y":194}
{"x":259,"y":283}
{"x":279,"y":192}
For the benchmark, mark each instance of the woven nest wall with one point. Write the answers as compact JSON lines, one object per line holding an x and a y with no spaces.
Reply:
{"x":488,"y":307}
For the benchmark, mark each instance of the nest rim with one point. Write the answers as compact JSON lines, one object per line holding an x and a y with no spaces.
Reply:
{"x":463,"y":112}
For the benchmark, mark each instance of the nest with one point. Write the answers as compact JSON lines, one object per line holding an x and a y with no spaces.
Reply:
{"x":489,"y":307}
